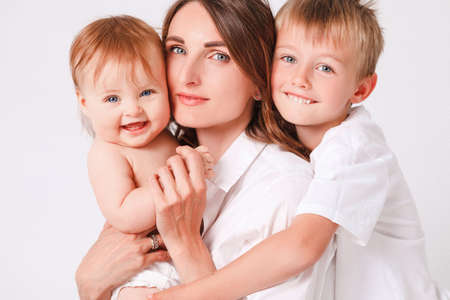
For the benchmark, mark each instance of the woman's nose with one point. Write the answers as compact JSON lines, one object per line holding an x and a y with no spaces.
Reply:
{"x":191,"y":73}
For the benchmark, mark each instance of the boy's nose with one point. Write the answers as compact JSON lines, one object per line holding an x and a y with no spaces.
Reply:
{"x":301,"y":80}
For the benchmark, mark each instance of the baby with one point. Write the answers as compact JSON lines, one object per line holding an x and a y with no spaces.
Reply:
{"x":118,"y":70}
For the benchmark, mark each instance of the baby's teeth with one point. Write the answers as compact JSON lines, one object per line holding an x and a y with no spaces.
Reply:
{"x":308,"y":101}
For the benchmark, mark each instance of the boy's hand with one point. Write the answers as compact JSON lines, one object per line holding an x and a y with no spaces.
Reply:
{"x":179,"y":292}
{"x":208,"y":161}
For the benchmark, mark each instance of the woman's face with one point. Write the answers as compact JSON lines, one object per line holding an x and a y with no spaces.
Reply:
{"x":207,"y":88}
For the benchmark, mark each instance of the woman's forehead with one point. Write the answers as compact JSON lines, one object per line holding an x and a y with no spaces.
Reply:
{"x":193,"y":22}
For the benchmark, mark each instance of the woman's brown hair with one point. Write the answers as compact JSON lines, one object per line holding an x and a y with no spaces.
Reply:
{"x":248,"y":30}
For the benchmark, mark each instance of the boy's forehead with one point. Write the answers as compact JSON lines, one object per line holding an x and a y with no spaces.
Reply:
{"x":299,"y":33}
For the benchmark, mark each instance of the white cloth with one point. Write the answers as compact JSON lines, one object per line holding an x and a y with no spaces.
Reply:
{"x":380,"y":243}
{"x":257,"y":189}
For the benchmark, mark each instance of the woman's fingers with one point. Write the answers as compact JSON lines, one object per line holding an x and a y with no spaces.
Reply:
{"x":195,"y":166}
{"x":168,"y":184}
{"x":182,"y":179}
{"x":156,"y":256}
{"x":151,"y":243}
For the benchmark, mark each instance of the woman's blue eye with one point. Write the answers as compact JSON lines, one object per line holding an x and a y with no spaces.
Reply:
{"x":221,"y":57}
{"x":325,"y":68}
{"x":289,"y":59}
{"x":112,"y":99}
{"x":177,"y":50}
{"x":146,"y":93}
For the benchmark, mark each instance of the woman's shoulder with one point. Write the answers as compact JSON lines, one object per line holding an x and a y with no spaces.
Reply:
{"x":282,"y":161}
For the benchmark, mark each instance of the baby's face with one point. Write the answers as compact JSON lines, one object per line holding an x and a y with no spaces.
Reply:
{"x":312,"y":81}
{"x":126,"y":107}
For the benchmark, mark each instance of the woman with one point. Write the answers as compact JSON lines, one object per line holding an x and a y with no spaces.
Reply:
{"x":218,"y":66}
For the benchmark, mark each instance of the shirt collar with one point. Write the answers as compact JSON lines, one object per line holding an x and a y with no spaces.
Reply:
{"x":236,"y":160}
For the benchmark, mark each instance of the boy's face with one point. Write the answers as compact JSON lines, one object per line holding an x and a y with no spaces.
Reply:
{"x":312,"y":82}
{"x":124,"y":109}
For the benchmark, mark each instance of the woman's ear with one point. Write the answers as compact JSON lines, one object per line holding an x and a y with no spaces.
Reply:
{"x":364,"y":89}
{"x":257,"y":94}
{"x":82,"y":102}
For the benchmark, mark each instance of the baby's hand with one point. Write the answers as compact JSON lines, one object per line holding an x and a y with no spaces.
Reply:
{"x":208,"y":161}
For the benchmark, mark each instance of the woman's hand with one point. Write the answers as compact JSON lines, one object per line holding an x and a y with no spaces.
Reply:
{"x":112,"y":260}
{"x":179,"y":193}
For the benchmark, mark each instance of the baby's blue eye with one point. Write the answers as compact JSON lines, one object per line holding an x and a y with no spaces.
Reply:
{"x":112,"y":99}
{"x":325,"y":68}
{"x":289,"y":59}
{"x":221,"y":57}
{"x":146,"y":93}
{"x":177,"y":50}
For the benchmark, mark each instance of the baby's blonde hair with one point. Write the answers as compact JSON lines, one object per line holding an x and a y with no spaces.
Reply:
{"x":341,"y":21}
{"x":124,"y":39}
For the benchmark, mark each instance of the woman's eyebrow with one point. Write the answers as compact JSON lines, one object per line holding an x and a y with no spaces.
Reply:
{"x":214,"y":44}
{"x":175,"y":39}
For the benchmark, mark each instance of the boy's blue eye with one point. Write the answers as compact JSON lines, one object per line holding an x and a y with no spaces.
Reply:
{"x":112,"y":99}
{"x":325,"y":68}
{"x":221,"y":57}
{"x":146,"y":93}
{"x":177,"y":50}
{"x":289,"y":59}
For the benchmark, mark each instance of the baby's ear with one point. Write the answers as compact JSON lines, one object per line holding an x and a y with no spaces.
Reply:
{"x":364,"y":89}
{"x":81,"y":102}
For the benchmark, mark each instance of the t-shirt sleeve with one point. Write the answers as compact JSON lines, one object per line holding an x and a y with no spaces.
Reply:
{"x":349,"y":187}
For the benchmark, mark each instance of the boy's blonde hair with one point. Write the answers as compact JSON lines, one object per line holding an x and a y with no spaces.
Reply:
{"x":343,"y":22}
{"x":123,"y":39}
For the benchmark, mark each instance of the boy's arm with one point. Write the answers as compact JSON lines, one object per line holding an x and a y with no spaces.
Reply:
{"x":274,"y":260}
{"x":126,"y":207}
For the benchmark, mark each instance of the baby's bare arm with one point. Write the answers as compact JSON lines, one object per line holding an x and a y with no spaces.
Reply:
{"x":125,"y":206}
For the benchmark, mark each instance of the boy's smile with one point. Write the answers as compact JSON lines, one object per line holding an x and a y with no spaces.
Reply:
{"x":313,"y":79}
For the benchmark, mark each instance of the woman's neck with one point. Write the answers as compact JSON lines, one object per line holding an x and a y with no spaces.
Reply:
{"x":219,"y":138}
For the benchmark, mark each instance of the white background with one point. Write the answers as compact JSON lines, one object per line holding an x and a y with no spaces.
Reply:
{"x":49,"y":217}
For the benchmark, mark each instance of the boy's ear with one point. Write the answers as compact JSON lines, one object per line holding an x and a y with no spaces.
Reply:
{"x":81,"y":102}
{"x":364,"y":89}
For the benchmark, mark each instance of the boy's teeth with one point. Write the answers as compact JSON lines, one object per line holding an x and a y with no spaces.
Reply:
{"x":298,"y":99}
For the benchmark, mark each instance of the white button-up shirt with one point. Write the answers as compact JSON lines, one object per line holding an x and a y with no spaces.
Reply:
{"x":255,"y":194}
{"x":380,"y":243}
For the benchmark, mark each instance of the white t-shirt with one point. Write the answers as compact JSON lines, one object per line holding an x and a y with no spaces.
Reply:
{"x":256,"y":191}
{"x":380,"y":243}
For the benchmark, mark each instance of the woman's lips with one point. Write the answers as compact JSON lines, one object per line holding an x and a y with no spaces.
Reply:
{"x":191,"y":100}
